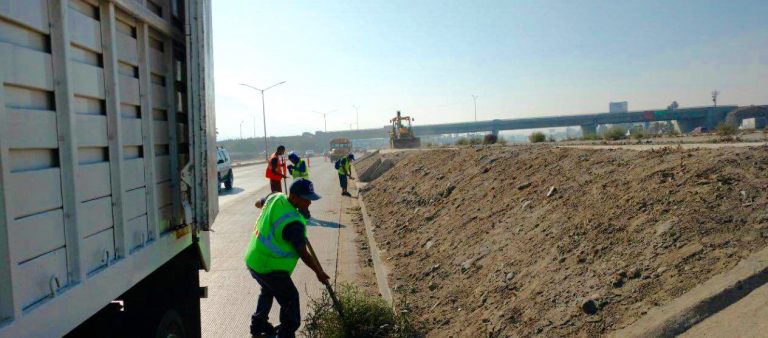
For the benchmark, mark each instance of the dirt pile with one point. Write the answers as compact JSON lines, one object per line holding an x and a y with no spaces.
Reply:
{"x":366,"y":159}
{"x":372,"y":167}
{"x":562,"y":242}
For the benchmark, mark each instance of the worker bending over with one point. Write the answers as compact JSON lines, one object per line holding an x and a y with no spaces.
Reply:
{"x":278,"y":241}
{"x":299,"y":168}
{"x":276,"y":170}
{"x":345,"y":171}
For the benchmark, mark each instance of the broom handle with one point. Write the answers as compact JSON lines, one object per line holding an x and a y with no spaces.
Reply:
{"x":335,"y":300}
{"x":285,"y":173}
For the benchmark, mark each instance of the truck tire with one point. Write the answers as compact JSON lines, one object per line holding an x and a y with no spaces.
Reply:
{"x":170,"y":326}
{"x":230,"y":180}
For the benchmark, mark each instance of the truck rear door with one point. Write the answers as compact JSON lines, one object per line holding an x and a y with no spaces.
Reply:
{"x":203,"y":127}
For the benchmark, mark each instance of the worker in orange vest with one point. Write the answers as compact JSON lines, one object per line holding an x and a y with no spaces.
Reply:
{"x":276,"y":170}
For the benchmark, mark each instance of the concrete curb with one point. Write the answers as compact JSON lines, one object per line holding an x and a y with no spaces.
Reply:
{"x":702,"y":301}
{"x":379,"y":268}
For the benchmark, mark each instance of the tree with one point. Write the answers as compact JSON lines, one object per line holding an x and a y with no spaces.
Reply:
{"x":615,"y":133}
{"x":637,"y":132}
{"x":673,"y":106}
{"x":537,"y":137}
{"x":490,"y":139}
{"x":726,"y":129}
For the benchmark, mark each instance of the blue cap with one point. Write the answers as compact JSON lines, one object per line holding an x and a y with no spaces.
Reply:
{"x":351,"y":156}
{"x":293,"y":157}
{"x":304,"y":189}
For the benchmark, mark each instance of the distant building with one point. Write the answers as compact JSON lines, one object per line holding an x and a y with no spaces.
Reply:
{"x":618,"y":107}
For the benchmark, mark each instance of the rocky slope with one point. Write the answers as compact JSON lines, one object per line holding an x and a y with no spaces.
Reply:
{"x":521,"y":241}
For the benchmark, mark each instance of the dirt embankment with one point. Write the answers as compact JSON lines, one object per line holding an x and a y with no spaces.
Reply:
{"x":562,"y":242}
{"x":371,"y":167}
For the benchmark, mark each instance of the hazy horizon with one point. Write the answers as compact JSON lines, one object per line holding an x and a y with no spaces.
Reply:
{"x":525,"y":59}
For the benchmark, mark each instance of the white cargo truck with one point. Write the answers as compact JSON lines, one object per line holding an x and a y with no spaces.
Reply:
{"x":108,"y":181}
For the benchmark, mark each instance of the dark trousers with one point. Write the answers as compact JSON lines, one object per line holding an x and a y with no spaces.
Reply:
{"x":276,"y":185}
{"x":343,"y":181}
{"x":277,"y":285}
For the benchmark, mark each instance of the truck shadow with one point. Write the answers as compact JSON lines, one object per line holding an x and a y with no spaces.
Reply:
{"x":233,"y":191}
{"x":324,"y":224}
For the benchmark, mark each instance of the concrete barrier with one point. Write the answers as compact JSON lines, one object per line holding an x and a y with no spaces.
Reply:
{"x":381,"y":271}
{"x":702,"y":301}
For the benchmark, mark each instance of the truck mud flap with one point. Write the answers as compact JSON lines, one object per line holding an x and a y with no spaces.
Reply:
{"x":203,"y":243}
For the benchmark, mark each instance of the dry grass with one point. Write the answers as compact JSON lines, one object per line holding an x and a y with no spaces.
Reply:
{"x":365,"y":316}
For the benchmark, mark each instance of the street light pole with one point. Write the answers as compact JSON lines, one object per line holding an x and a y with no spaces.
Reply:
{"x":325,"y":122}
{"x":263,"y":114}
{"x":241,"y":129}
{"x":357,"y":116}
{"x":474,"y":97}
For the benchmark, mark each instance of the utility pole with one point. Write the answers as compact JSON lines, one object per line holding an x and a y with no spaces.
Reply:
{"x":357,"y":116}
{"x":325,"y":121}
{"x":241,"y":129}
{"x":715,"y":93}
{"x":474,"y":97}
{"x":263,"y":114}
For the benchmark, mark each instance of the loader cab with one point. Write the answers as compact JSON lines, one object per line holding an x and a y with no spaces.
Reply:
{"x":401,"y":126}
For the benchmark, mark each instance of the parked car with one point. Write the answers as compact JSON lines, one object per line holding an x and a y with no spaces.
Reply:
{"x":224,"y":166}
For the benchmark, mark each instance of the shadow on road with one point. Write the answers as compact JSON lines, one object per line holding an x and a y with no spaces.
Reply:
{"x":233,"y":191}
{"x":324,"y":224}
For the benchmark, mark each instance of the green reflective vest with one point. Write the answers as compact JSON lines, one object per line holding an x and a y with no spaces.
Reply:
{"x":345,"y":165}
{"x":297,"y":174}
{"x":267,"y":250}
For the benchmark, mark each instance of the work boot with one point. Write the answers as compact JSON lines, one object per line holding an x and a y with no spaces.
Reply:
{"x":263,"y":330}
{"x":284,"y":333}
{"x":346,"y":194}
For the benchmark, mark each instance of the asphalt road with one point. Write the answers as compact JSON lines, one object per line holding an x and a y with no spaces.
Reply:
{"x":232,"y":292}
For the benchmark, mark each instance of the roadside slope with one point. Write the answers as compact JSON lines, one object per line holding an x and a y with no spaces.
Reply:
{"x":479,"y":242}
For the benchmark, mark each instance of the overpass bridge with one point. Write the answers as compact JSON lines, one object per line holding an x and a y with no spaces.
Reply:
{"x":687,"y":118}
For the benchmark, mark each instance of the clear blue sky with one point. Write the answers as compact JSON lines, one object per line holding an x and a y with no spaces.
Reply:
{"x":522,"y":58}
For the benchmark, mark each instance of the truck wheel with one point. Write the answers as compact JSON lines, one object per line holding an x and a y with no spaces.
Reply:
{"x":230,"y":180}
{"x":171,"y":325}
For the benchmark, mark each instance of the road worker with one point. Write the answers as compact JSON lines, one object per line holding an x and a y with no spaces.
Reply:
{"x":279,"y":239}
{"x":299,"y":168}
{"x":345,"y":172}
{"x":276,"y":169}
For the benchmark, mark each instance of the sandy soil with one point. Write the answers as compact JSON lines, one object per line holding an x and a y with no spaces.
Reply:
{"x":746,"y":136}
{"x":521,"y":241}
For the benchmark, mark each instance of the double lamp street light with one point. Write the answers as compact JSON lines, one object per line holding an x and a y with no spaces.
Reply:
{"x":263,"y":114}
{"x":325,"y":121}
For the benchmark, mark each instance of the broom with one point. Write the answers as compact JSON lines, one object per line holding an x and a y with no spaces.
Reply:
{"x":334,"y":299}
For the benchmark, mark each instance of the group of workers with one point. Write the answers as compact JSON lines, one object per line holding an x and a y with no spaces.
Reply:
{"x":278,"y":170}
{"x":279,"y":240}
